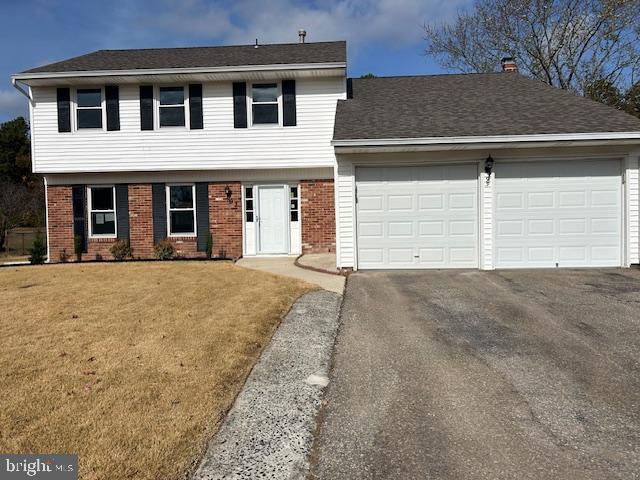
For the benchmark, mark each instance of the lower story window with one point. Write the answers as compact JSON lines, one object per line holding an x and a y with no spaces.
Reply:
{"x":102,"y":211}
{"x":182,"y":212}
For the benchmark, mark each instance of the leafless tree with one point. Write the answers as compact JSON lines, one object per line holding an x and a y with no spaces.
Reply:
{"x":566,"y":43}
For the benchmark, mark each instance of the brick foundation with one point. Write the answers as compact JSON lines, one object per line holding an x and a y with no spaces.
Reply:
{"x":225,"y":223}
{"x":317,"y":206}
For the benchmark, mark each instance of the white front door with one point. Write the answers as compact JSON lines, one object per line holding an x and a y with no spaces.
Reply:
{"x":272,"y":219}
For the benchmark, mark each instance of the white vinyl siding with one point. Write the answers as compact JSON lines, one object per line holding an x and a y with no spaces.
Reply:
{"x":217,"y":146}
{"x":632,"y":183}
{"x":345,"y":214}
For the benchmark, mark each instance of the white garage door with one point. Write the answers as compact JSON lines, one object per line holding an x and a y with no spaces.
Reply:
{"x":564,"y":214}
{"x":417,"y":217}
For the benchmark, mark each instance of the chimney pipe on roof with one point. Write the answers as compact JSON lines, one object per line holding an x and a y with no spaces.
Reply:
{"x":509,"y":64}
{"x":301,"y":34}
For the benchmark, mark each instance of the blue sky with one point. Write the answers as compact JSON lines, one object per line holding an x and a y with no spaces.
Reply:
{"x":384,"y":36}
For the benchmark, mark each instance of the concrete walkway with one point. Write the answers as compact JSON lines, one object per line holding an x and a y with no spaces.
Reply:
{"x":322,"y":261}
{"x":269,"y":431}
{"x":285,"y":266}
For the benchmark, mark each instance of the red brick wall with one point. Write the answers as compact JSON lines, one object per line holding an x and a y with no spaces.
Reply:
{"x":140,"y":221}
{"x":317,"y":207}
{"x":99,"y":249}
{"x":60,"y":222}
{"x":225,"y":222}
{"x":225,"y":219}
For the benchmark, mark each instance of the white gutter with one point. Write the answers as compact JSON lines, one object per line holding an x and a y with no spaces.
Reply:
{"x":14,"y":82}
{"x":488,"y":140}
{"x":169,"y":71}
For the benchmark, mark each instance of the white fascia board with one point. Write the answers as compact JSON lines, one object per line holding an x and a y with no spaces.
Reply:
{"x":471,"y":142}
{"x":24,"y":77}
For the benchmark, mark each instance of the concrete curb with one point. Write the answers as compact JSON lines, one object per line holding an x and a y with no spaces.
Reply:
{"x":269,"y":431}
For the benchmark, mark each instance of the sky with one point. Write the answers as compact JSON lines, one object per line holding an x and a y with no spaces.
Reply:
{"x":384,"y":37}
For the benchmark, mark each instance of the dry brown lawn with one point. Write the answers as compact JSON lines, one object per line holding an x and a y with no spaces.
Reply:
{"x":130,"y":365}
{"x":12,"y":257}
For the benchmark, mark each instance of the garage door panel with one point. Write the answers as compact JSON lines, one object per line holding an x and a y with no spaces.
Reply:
{"x":427,"y":217}
{"x":571,"y":217}
{"x":370,"y":203}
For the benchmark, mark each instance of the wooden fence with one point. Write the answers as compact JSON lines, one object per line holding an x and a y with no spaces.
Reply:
{"x":19,"y":240}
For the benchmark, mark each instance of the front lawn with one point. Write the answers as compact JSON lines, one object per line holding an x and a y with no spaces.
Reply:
{"x":132,"y":365}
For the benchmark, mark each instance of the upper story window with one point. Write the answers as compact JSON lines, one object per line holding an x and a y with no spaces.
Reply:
{"x":181,"y":210}
{"x":102,"y":212}
{"x":264,"y":103}
{"x":89,"y":107}
{"x":172,"y":107}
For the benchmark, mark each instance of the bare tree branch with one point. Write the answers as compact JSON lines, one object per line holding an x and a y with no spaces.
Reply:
{"x":565,"y":43}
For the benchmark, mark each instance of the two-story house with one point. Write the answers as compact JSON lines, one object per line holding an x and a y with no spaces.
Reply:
{"x":271,"y":150}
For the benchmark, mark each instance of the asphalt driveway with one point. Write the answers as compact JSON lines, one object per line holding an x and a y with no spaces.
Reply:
{"x":492,"y":375}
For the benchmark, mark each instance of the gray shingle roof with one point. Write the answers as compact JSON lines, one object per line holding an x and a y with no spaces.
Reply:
{"x":469,"y":105}
{"x":194,"y":57}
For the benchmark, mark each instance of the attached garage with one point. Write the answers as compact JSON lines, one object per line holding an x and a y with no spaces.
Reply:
{"x":483,"y":171}
{"x":558,"y":214}
{"x":418,"y":216}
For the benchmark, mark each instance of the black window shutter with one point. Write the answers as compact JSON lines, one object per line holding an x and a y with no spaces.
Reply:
{"x":349,"y":88}
{"x":78,"y":195}
{"x":202,"y":214}
{"x":64,"y":110}
{"x":122,"y":211}
{"x":159,"y":200}
{"x":195,"y":106}
{"x":240,"y":105}
{"x":112,"y":97}
{"x":146,"y":107}
{"x":289,"y":103}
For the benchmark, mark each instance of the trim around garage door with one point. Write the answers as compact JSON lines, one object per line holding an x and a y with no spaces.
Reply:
{"x":347,"y":210}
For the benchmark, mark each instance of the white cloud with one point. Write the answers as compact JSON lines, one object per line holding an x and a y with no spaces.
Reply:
{"x":12,"y":104}
{"x":393,"y":22}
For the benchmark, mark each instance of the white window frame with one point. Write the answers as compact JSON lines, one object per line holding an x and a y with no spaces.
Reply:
{"x":278,"y":102}
{"x":75,"y":108}
{"x":169,"y":210}
{"x":297,"y":199}
{"x":91,"y":211}
{"x":157,"y":107}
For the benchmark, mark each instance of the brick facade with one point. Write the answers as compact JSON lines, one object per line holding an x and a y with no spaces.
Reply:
{"x":60,"y":223}
{"x":140,"y":221}
{"x":317,"y":206}
{"x":225,"y":219}
{"x":225,"y":222}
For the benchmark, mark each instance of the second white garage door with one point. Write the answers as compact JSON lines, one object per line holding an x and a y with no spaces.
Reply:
{"x":417,"y":217}
{"x":558,"y":214}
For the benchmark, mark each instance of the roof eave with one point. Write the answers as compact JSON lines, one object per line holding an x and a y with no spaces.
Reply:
{"x":45,"y":77}
{"x":482,"y":142}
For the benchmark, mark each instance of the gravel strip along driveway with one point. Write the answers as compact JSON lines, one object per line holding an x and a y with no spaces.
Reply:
{"x":485,"y":375}
{"x":269,"y":431}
